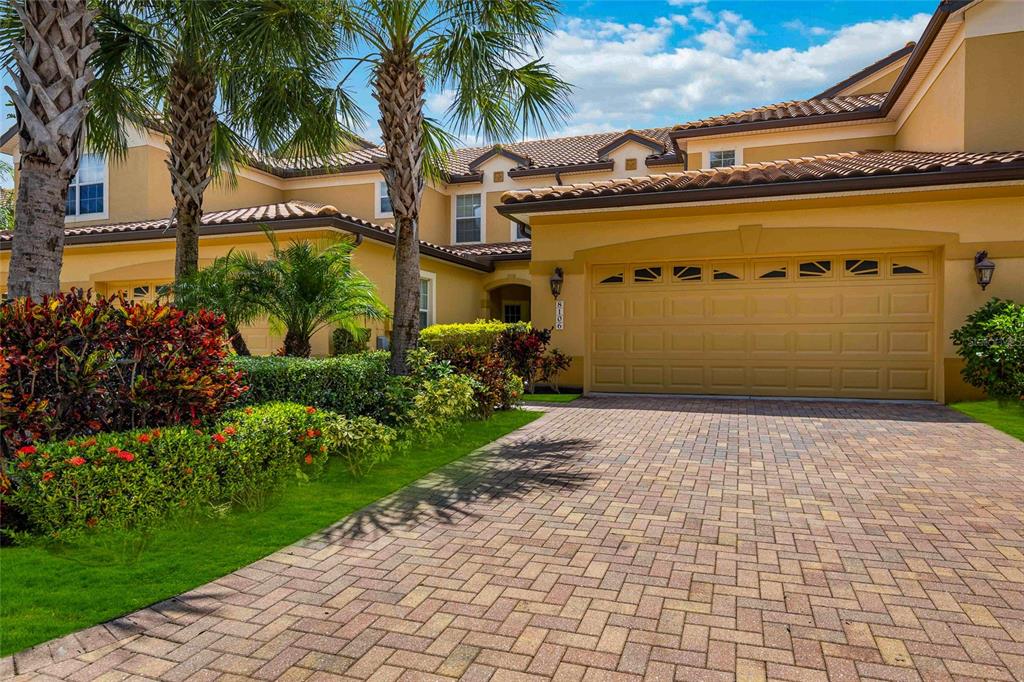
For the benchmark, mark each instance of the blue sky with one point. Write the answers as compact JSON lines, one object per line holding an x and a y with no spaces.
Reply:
{"x":646,"y":63}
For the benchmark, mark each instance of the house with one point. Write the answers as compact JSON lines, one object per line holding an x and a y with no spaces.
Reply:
{"x":823,"y":247}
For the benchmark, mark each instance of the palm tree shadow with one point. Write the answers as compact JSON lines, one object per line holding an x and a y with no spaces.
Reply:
{"x":508,"y":471}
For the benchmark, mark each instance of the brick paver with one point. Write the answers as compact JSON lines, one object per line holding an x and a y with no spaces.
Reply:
{"x":623,"y":538}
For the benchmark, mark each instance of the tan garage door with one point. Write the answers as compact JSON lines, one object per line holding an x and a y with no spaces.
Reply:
{"x":844,"y":325}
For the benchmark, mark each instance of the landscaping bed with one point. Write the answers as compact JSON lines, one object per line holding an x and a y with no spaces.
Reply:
{"x":61,"y":588}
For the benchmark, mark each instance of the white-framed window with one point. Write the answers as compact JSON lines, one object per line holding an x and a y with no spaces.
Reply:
{"x":512,"y":312}
{"x":383,"y":201}
{"x":87,"y":193}
{"x":520,"y":231}
{"x":428,"y":298}
{"x":469,"y":218}
{"x":722,"y":158}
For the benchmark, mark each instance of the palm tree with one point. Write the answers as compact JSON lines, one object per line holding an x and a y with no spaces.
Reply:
{"x":6,"y":198}
{"x":50,"y":43}
{"x":215,"y":288}
{"x":305,"y":287}
{"x":480,"y":50}
{"x":227,"y":80}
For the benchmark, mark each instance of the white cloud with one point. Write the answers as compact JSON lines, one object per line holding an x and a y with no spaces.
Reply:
{"x":800,"y":27}
{"x":636,"y":75}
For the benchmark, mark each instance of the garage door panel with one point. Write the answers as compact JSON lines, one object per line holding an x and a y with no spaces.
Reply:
{"x":821,"y":325}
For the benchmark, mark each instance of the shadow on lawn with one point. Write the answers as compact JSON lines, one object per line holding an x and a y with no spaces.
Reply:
{"x":509,"y":471}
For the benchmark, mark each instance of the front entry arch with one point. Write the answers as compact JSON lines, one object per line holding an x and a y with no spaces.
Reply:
{"x":510,"y":303}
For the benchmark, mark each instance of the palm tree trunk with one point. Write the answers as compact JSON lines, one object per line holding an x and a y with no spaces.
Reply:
{"x":237,"y":341}
{"x":53,"y":75}
{"x":191,"y":117}
{"x":296,"y":345}
{"x":398,"y":88}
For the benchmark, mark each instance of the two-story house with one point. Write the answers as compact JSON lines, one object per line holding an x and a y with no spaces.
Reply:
{"x":823,"y":247}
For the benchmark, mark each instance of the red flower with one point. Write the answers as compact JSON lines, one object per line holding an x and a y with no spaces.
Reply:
{"x":72,"y":443}
{"x":76,"y":461}
{"x":95,"y":425}
{"x":249,"y":410}
{"x":48,"y":475}
{"x":155,"y":433}
{"x":91,"y":521}
{"x":219,"y":437}
{"x":144,"y":438}
{"x":230,"y":430}
{"x":310,"y":410}
{"x":25,"y":464}
{"x":88,"y":443}
{"x":126,"y":456}
{"x":26,"y":450}
{"x":196,"y":422}
{"x":309,"y":459}
{"x":312,"y":433}
{"x":188,"y":470}
{"x":114,"y":449}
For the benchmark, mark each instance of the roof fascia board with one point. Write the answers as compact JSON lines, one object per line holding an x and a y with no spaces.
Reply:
{"x":957,"y":176}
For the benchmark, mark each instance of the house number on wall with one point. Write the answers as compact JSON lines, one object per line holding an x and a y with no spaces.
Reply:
{"x":559,"y":314}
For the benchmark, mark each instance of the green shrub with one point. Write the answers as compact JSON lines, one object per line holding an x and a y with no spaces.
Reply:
{"x":496,"y":386}
{"x":441,"y":403}
{"x":345,"y":342}
{"x":352,"y":385}
{"x":359,"y":442}
{"x":991,"y":342}
{"x":480,"y":335}
{"x":132,"y":479}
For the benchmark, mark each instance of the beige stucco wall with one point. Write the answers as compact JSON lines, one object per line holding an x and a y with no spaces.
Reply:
{"x":881,"y":83}
{"x":994,"y":92}
{"x":937,"y":122}
{"x":953,"y":223}
{"x":793,"y":150}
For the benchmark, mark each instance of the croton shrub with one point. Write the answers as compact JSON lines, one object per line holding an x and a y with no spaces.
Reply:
{"x":80,"y":364}
{"x":132,"y":479}
{"x":991,"y":342}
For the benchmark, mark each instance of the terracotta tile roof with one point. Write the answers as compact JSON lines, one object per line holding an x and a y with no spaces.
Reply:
{"x":255,"y":215}
{"x":808,"y":108}
{"x":847,"y":165}
{"x":551,"y":153}
{"x":520,"y":248}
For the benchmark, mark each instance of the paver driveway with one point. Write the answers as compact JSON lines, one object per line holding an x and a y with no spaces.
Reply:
{"x":629,"y":537}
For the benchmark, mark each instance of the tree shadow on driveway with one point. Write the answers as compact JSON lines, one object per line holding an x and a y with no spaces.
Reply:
{"x":512,"y":470}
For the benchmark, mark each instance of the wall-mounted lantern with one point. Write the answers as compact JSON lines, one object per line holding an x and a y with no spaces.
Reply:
{"x":557,"y":277}
{"x":983,"y":268}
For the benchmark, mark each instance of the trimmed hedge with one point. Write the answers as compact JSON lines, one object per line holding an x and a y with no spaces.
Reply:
{"x":131,"y":480}
{"x":481,"y":335}
{"x":351,"y":385}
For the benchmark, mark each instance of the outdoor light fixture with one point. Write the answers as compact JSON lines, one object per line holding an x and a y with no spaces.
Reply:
{"x":983,"y":268}
{"x":556,"y":282}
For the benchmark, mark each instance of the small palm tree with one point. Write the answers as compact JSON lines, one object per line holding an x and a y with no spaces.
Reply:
{"x":48,"y":46}
{"x":481,"y":50}
{"x":304,"y":287}
{"x":227,"y":80}
{"x":215,"y":288}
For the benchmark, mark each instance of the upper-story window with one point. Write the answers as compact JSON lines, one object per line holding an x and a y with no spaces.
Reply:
{"x":520,"y":231}
{"x":87,"y":188}
{"x":468,"y":218}
{"x":384,"y":209}
{"x":722,"y":158}
{"x":427,"y":300}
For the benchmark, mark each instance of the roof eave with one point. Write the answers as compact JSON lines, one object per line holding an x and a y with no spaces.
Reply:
{"x":568,"y":168}
{"x":767,"y":190}
{"x":729,"y":128}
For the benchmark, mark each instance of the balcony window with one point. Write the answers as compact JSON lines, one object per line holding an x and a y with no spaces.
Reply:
{"x":468,"y":218}
{"x":87,"y":188}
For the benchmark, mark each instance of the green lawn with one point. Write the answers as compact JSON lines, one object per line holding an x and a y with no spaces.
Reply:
{"x":550,"y":397}
{"x":48,"y":592}
{"x":1007,"y":417}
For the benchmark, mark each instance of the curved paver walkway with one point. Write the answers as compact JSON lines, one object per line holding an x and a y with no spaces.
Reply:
{"x":630,"y":537}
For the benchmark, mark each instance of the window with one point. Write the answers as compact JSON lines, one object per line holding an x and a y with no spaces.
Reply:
{"x":862,"y":267}
{"x":520,"y":231}
{"x":652,"y":274}
{"x":630,"y":164}
{"x":468,"y":218}
{"x":723,"y":158}
{"x":384,"y":208}
{"x":815,"y":268}
{"x":718,"y":274}
{"x":85,"y":193}
{"x":426,"y":296}
{"x":687,"y":273}
{"x":512,"y":312}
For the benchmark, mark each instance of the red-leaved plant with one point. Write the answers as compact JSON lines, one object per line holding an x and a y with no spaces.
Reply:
{"x":80,"y":364}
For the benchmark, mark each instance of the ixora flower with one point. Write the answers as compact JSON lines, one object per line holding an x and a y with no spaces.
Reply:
{"x":26,"y":450}
{"x":230,"y":430}
{"x":48,"y":475}
{"x":144,"y":438}
{"x":309,"y":459}
{"x":218,"y":437}
{"x":312,"y":433}
{"x":126,"y":456}
{"x":76,"y":461}
{"x":114,"y":449}
{"x":88,"y":443}
{"x":249,"y":410}
{"x":25,"y":464}
{"x":310,"y":410}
